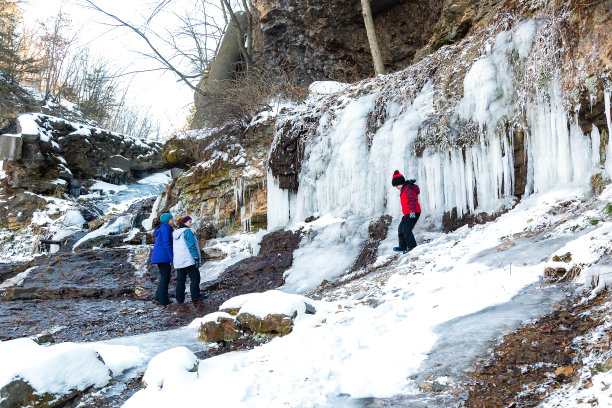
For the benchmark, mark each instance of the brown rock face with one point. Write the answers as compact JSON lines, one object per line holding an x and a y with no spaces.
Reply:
{"x":224,"y":190}
{"x":272,"y":323}
{"x":319,"y":39}
{"x":224,"y":329}
{"x":378,"y":232}
{"x":264,"y":271}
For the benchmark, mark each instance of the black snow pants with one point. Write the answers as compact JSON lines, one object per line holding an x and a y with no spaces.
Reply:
{"x":161,"y":295}
{"x":194,"y":285}
{"x":404,"y":232}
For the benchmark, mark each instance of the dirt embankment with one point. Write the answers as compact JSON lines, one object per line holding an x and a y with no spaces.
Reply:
{"x":531,"y":362}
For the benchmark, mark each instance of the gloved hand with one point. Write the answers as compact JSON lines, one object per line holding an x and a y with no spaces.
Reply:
{"x":412,"y":214}
{"x":197,"y":263}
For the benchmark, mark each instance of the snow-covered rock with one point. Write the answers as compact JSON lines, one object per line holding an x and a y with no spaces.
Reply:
{"x":170,"y":368}
{"x":31,"y":373}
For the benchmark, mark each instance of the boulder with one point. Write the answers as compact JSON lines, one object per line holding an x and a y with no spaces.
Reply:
{"x":95,"y":224}
{"x":43,"y":338}
{"x":272,"y":323}
{"x":18,"y":393}
{"x":223,"y":329}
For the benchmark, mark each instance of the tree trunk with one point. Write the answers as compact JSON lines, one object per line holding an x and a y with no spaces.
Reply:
{"x":379,"y":66}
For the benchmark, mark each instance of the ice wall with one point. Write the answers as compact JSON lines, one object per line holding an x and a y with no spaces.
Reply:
{"x":343,"y":175}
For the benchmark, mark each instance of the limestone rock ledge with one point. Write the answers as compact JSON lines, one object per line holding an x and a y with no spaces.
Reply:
{"x":220,"y":177}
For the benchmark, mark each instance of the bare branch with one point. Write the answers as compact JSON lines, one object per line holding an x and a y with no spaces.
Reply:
{"x":141,"y":34}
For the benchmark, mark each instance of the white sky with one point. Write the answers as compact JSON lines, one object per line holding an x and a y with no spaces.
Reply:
{"x":168,"y":99}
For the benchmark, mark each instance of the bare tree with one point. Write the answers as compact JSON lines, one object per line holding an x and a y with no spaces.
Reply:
{"x":379,"y":66}
{"x":199,"y":27}
{"x":55,"y":42}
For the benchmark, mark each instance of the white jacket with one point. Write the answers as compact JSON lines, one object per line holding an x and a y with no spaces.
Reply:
{"x":182,"y":257}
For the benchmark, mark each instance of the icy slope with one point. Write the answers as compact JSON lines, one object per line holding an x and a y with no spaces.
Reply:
{"x":372,"y":337}
{"x":505,"y":111}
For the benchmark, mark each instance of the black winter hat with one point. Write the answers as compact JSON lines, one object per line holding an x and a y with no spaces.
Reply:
{"x":398,"y":179}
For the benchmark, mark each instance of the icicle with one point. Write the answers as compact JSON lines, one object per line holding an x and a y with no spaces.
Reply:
{"x":238,"y":193}
{"x":595,"y":145}
{"x":609,"y":123}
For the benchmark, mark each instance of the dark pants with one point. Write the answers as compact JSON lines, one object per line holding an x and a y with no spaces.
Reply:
{"x":404,"y":232}
{"x":161,"y":295}
{"x":194,"y":285}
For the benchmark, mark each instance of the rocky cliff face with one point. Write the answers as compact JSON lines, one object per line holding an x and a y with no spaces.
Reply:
{"x":49,"y":156}
{"x":319,"y":40}
{"x":222,"y":184}
{"x":478,"y":68}
{"x":517,"y":106}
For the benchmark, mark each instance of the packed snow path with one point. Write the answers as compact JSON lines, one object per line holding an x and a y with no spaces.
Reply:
{"x":373,"y":336}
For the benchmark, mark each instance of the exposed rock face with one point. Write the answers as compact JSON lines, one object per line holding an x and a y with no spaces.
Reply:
{"x":264,"y":271}
{"x":378,"y":232}
{"x":55,"y":152}
{"x":319,"y":39}
{"x":19,"y":393}
{"x":49,"y":156}
{"x":221,"y":330}
{"x":272,"y":323}
{"x":92,"y":274}
{"x":224,"y":190}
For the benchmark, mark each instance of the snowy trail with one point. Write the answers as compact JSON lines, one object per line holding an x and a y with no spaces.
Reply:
{"x":440,"y":305}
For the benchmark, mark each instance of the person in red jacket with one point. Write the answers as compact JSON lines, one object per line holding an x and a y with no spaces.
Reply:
{"x":409,"y":197}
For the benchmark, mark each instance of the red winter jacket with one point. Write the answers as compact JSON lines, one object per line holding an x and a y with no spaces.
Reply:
{"x":409,"y":196}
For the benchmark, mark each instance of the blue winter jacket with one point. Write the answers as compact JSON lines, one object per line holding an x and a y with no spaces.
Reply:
{"x":162,"y":249}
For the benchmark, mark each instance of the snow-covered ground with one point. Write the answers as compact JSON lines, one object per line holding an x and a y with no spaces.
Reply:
{"x":371,"y":336}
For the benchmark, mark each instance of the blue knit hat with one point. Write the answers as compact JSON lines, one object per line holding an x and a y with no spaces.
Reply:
{"x":165,"y":217}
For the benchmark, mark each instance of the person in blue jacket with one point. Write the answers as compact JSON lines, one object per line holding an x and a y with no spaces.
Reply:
{"x":187,"y":260}
{"x":162,"y":256}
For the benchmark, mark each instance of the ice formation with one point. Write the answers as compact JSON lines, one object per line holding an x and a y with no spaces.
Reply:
{"x":344,"y":176}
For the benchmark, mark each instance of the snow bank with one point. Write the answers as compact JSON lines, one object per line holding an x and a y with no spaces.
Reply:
{"x":233,"y":249}
{"x":270,"y":302}
{"x":55,"y":369}
{"x":353,"y":349}
{"x":17,"y":279}
{"x":211,"y":317}
{"x":119,"y":358}
{"x":326,"y":87}
{"x":27,"y":125}
{"x":172,"y":368}
{"x":73,"y":218}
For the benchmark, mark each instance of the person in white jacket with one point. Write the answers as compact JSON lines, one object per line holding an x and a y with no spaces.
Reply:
{"x":187,"y":259}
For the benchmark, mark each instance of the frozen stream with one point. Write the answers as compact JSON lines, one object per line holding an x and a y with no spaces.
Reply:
{"x":151,"y":344}
{"x":106,"y":196}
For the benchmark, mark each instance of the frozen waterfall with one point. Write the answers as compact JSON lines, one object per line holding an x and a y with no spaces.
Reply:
{"x":342,"y":175}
